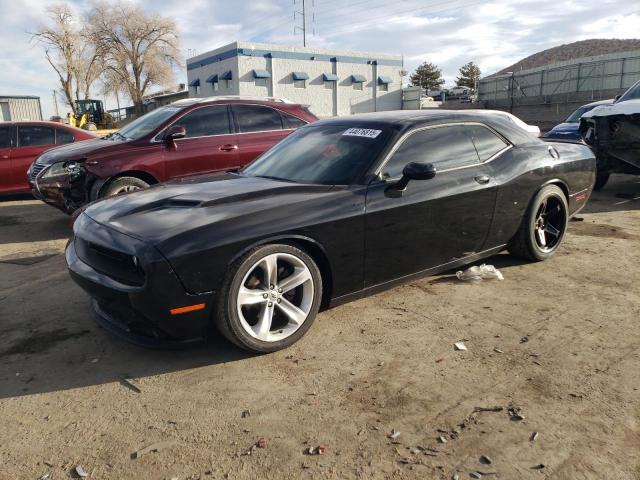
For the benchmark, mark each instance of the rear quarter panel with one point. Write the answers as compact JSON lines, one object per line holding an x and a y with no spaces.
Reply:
{"x":522,"y":171}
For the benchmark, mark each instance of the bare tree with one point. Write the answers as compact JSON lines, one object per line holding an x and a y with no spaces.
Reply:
{"x":140,"y":49}
{"x":60,"y":47}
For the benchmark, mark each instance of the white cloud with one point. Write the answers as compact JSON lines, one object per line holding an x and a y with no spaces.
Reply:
{"x":493,"y":33}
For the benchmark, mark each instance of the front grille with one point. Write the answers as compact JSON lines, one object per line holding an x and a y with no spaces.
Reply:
{"x":35,"y":170}
{"x":117,"y":265}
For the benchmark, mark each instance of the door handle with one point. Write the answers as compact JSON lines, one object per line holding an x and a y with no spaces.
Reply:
{"x":482,"y":179}
{"x":228,"y":147}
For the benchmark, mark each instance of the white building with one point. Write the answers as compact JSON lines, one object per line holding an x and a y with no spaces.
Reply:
{"x":331,"y":82}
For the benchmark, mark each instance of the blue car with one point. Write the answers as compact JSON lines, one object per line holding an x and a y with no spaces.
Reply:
{"x":569,"y":129}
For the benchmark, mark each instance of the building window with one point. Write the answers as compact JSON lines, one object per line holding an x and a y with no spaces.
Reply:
{"x":357,"y":85}
{"x":261,"y":82}
{"x":329,"y":84}
{"x":228,"y":83}
{"x":300,"y":83}
{"x":384,"y":87}
{"x":197,"y":87}
{"x":216,"y":86}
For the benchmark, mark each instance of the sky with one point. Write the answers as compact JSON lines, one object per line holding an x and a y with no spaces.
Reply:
{"x":493,"y":34}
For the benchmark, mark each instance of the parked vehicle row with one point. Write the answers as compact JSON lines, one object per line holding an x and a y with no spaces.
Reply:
{"x":188,"y":137}
{"x":337,"y":210}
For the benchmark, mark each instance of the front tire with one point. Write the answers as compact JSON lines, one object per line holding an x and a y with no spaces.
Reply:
{"x":269,"y":298}
{"x":122,"y":185}
{"x":543,"y":226}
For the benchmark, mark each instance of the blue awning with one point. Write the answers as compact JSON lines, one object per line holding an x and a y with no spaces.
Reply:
{"x":213,"y":78}
{"x":383,"y":80}
{"x":300,"y":76}
{"x":330,"y":77}
{"x":195,"y":83}
{"x":358,"y":78}
{"x":228,"y":75}
{"x":261,"y":74}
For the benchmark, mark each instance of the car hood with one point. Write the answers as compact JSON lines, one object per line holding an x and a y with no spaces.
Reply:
{"x":628,"y":107}
{"x":76,"y":150}
{"x":566,"y":127}
{"x":166,"y":215}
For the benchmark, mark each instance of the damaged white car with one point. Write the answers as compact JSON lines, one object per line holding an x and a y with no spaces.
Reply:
{"x":613,"y":132}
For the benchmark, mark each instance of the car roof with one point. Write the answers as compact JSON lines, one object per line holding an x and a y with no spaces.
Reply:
{"x":403,"y":120}
{"x":186,"y":102}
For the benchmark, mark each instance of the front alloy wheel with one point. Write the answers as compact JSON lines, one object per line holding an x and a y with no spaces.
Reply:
{"x":272,"y":298}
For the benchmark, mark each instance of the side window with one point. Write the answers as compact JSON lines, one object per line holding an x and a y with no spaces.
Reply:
{"x":206,"y":121}
{"x":290,"y":121}
{"x":486,"y":142}
{"x":256,"y":118}
{"x":6,"y":136}
{"x":444,"y":147}
{"x":34,"y":136}
{"x":63,"y":136}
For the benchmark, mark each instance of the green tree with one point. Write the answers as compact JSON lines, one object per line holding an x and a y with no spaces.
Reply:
{"x":428,"y":76}
{"x":469,"y":75}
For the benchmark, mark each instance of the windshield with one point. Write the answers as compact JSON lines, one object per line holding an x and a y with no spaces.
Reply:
{"x":575,"y":116}
{"x":632,"y":94}
{"x":147,"y":123}
{"x":327,"y":155}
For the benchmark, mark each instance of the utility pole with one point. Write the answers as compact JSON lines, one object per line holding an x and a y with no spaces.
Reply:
{"x":55,"y":102}
{"x":303,"y":27}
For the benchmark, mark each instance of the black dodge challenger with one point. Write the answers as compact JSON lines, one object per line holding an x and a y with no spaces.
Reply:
{"x":338,"y":210}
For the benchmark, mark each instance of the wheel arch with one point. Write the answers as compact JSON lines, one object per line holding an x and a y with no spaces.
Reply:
{"x":310,"y":246}
{"x":99,"y":185}
{"x":558,"y":183}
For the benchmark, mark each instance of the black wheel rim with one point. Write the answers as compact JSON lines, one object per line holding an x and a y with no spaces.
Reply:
{"x":550,"y":223}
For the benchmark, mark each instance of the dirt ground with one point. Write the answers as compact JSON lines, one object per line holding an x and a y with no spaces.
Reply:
{"x":557,"y":340}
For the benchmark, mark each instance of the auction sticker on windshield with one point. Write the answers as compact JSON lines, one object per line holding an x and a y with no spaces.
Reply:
{"x":362,"y":132}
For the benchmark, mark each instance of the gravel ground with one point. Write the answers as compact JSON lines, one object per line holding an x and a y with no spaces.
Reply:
{"x":557,"y":342}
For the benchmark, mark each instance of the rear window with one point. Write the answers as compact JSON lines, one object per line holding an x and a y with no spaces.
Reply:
{"x":292,"y":122}
{"x":35,"y":136}
{"x":63,"y":136}
{"x":486,"y":142}
{"x":256,"y":118}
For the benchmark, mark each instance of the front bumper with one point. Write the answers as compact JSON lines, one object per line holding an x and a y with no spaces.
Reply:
{"x":62,"y":192}
{"x":139,"y":313}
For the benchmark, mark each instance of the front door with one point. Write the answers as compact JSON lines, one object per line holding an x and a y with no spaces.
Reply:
{"x":7,"y":140}
{"x":209,"y":144}
{"x":435,"y":221}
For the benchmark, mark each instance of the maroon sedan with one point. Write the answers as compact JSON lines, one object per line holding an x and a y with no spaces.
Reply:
{"x":22,"y":142}
{"x":187,"y":137}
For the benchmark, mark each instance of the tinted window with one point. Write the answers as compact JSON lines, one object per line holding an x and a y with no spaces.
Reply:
{"x":292,"y":122}
{"x":5,"y":137}
{"x":330,"y":155}
{"x":444,"y":147}
{"x":206,"y":121}
{"x":575,"y":116}
{"x":254,"y":118}
{"x":63,"y":136}
{"x":487,"y":143}
{"x":33,"y":136}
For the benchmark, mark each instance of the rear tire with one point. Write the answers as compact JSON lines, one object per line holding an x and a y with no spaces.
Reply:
{"x":543,"y":226}
{"x":269,"y":298}
{"x":122,"y":185}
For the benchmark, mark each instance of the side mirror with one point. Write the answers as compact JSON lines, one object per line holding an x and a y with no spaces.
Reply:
{"x":412,"y":171}
{"x":173,"y":133}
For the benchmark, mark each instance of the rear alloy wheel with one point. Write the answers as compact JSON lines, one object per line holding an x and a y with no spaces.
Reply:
{"x":122,"y":185}
{"x":543,"y":227}
{"x":270,"y":299}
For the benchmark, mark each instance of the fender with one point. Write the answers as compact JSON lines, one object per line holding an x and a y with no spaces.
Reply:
{"x":276,"y":238}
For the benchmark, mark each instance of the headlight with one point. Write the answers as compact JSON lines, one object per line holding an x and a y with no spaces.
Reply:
{"x":62,"y":169}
